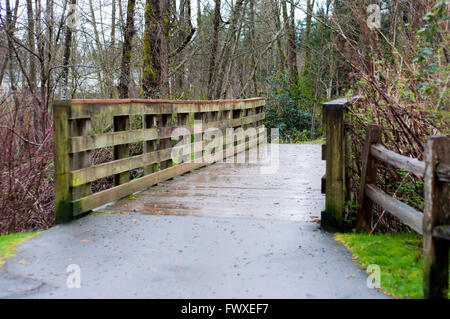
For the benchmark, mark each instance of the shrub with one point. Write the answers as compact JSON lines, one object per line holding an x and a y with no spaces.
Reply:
{"x":26,"y":168}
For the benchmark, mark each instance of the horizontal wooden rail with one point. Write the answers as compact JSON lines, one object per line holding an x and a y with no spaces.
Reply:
{"x":434,"y":222}
{"x":408,"y":215}
{"x":92,"y":173}
{"x":95,"y":141}
{"x":74,"y":142}
{"x":408,"y":164}
{"x":93,"y":201}
{"x":80,"y":109}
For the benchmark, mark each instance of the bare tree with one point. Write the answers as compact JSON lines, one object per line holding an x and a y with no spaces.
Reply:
{"x":129,"y":31}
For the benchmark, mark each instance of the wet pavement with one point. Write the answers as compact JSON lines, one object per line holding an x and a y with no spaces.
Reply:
{"x":223,"y":231}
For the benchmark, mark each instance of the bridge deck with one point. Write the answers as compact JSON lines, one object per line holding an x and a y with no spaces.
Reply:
{"x":243,"y":235}
{"x":239,"y":190}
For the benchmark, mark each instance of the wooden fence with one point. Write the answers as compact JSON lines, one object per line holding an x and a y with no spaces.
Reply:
{"x":74,"y":141}
{"x":433,"y":224}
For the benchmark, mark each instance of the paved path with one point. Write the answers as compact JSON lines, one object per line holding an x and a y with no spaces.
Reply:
{"x":224,"y":231}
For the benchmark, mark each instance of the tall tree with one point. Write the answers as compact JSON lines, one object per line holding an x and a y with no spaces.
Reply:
{"x":31,"y":46}
{"x":309,"y":12}
{"x":155,"y":75}
{"x":128,"y":34}
{"x":281,"y":53}
{"x":289,"y":22}
{"x":67,"y":50}
{"x":213,"y":52}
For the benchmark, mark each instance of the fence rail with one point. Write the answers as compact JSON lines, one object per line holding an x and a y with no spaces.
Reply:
{"x":75,"y":140}
{"x":433,"y":224}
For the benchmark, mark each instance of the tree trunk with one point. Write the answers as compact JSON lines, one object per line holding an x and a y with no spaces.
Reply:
{"x":214,"y":45}
{"x":129,"y":31}
{"x":65,"y":93}
{"x":156,"y":51}
{"x":292,"y":44}
{"x":32,"y":46}
{"x":281,"y":53}
{"x":253,"y":64}
{"x":228,"y":51}
{"x":309,"y":11}
{"x":113,"y":23}
{"x":10,"y":30}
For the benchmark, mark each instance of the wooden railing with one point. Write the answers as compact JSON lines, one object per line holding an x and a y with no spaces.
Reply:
{"x":434,"y":223}
{"x":334,"y":153}
{"x":74,"y":141}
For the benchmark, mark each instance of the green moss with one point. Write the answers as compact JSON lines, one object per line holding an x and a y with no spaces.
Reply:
{"x":8,"y":244}
{"x":399,"y":256}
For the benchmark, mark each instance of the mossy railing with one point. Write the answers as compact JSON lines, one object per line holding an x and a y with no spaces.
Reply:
{"x":433,"y":224}
{"x":74,"y":140}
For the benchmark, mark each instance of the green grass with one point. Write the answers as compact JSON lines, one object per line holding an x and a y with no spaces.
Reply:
{"x":315,"y":141}
{"x":8,"y":244}
{"x":399,"y":256}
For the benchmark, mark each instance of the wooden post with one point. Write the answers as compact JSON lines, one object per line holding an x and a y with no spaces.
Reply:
{"x":80,"y":127}
{"x":213,"y":117}
{"x":198,"y":138}
{"x":368,"y":175}
{"x":227,"y":116}
{"x":436,"y":213}
{"x":149,"y":121}
{"x":165,"y":120}
{"x":333,"y":117}
{"x":63,"y":207}
{"x":183,"y":119}
{"x":121,"y":123}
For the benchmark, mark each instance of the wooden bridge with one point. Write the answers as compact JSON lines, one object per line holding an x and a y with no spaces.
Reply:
{"x":179,"y":137}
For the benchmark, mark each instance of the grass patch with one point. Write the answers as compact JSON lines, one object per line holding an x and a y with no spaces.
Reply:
{"x":399,"y":256}
{"x":315,"y":141}
{"x":8,"y":244}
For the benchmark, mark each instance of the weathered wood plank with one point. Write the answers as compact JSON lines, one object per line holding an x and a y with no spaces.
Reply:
{"x":165,"y":120}
{"x":90,"y":174}
{"x":95,"y":200}
{"x":368,"y":175}
{"x":63,"y":206}
{"x":436,"y":212}
{"x":408,"y":215}
{"x":121,"y":123}
{"x":98,"y":108}
{"x":91,"y":142}
{"x":333,"y":117}
{"x":81,"y":159}
{"x":406,"y":163}
{"x":149,"y":122}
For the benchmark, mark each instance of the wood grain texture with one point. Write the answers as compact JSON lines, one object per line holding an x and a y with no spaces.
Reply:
{"x":75,"y":141}
{"x":368,"y":175}
{"x":408,"y":164}
{"x":407,"y":215}
{"x":436,"y":214}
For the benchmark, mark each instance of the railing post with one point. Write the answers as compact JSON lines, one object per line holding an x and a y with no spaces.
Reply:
{"x":63,"y":207}
{"x":121,"y":123}
{"x":80,"y":127}
{"x":368,"y":175}
{"x":149,"y":121}
{"x":182,"y":120}
{"x":333,"y":117}
{"x":436,"y":212}
{"x":198,"y":138}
